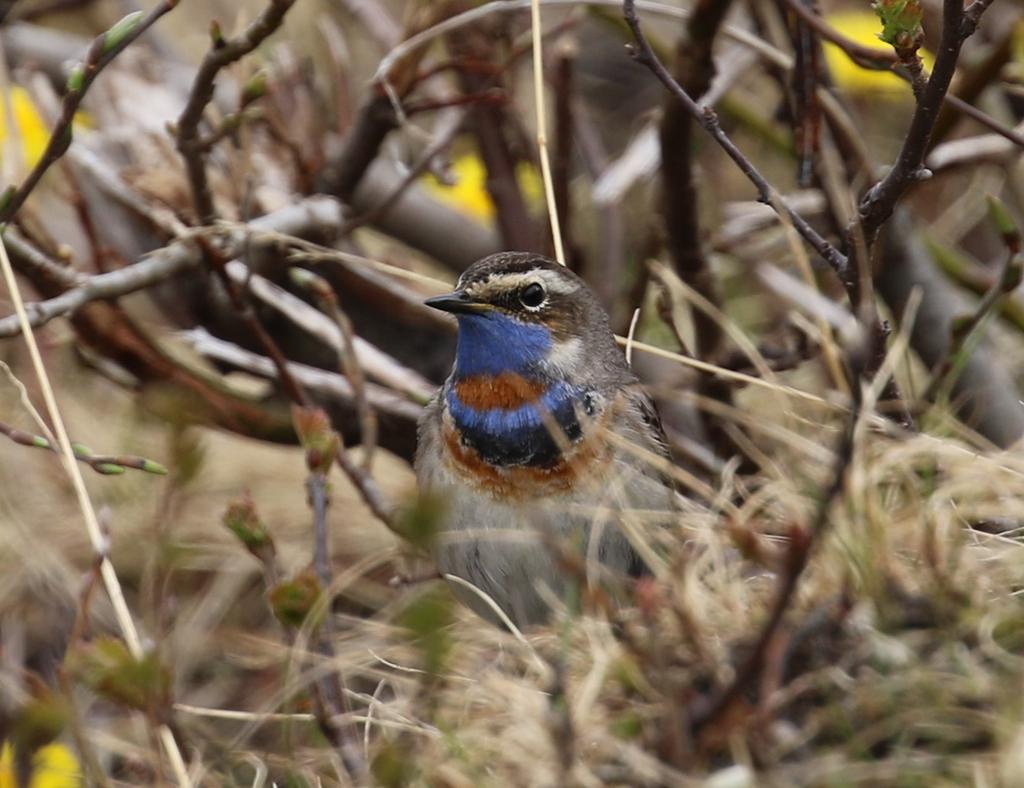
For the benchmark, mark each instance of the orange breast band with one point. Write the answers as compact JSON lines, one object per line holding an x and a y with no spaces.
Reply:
{"x":506,"y":391}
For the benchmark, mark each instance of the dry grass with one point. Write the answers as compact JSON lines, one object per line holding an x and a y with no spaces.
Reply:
{"x":899,"y":663}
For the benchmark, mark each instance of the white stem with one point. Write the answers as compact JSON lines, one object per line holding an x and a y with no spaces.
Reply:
{"x":542,"y":125}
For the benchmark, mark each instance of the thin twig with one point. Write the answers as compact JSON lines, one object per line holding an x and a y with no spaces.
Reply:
{"x":878,"y":203}
{"x":802,"y":542}
{"x":329,"y":385}
{"x":495,"y":128}
{"x":329,"y":701}
{"x":221,"y":54}
{"x":331,"y":705}
{"x":985,"y":119}
{"x":105,"y":464}
{"x":376,"y":363}
{"x":805,"y":79}
{"x":101,"y":53}
{"x":964,"y":332}
{"x":876,"y":59}
{"x":319,"y":500}
{"x":349,"y":360}
{"x":694,"y":70}
{"x":564,"y":88}
{"x":439,"y":146}
{"x":708,"y":119}
{"x":364,"y":483}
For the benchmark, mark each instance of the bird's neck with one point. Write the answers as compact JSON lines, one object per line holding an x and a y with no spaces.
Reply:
{"x":502,"y":401}
{"x":493,"y":344}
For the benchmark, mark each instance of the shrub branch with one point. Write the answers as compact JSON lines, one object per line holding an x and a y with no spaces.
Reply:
{"x":101,"y":53}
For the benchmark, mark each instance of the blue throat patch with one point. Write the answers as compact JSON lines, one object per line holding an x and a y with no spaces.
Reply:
{"x":491,"y":344}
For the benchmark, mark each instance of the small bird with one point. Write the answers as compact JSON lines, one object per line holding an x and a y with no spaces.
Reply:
{"x":539,"y":441}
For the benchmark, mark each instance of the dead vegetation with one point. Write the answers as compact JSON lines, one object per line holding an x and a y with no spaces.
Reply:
{"x":224,"y":250}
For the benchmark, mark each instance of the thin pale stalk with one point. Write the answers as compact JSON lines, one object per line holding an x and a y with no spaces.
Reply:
{"x":99,"y":544}
{"x":542,"y":136}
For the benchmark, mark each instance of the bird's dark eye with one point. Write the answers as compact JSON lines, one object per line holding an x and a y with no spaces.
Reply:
{"x":532,"y":296}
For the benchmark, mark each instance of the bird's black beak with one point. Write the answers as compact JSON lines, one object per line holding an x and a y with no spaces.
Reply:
{"x":457,"y":302}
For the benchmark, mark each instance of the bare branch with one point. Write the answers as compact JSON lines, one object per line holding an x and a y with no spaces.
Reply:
{"x":321,"y":213}
{"x":101,"y":53}
{"x":864,"y":56}
{"x":964,"y":332}
{"x":694,"y":70}
{"x":329,"y":385}
{"x":364,"y":483}
{"x":984,"y":394}
{"x":878,"y":204}
{"x":382,"y":207}
{"x":350,"y":365}
{"x":377,"y":364}
{"x":883,"y":60}
{"x":222,"y":53}
{"x":708,"y":118}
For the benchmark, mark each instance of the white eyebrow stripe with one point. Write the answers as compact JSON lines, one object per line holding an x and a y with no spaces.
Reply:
{"x":556,"y":283}
{"x":553,"y":282}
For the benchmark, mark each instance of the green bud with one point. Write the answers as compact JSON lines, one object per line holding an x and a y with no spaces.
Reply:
{"x":109,"y":469}
{"x":154,"y":467}
{"x":107,"y":667}
{"x":216,"y":35}
{"x":316,"y":436}
{"x":242,"y":520}
{"x":121,"y":31}
{"x":293,"y":600}
{"x":76,"y":78}
{"x":901,"y":23}
{"x":255,"y":88}
{"x":1000,"y":216}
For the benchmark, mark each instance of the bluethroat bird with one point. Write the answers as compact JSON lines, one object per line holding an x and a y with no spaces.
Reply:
{"x":541,"y":437}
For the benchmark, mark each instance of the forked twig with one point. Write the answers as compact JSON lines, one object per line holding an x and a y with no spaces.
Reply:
{"x":958,"y":24}
{"x":222,"y":53}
